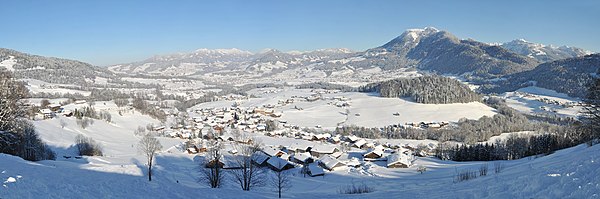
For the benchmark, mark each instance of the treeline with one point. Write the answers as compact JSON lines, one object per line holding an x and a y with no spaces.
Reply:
{"x":515,"y":147}
{"x":432,"y":89}
{"x":327,"y":86}
{"x":465,"y":130}
{"x":17,"y":134}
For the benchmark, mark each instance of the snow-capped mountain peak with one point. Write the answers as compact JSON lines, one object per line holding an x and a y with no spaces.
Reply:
{"x":543,"y":52}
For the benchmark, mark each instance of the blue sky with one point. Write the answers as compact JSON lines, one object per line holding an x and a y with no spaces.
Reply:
{"x":109,"y":32}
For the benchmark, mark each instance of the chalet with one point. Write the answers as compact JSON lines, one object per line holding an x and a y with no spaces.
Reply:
{"x":373,"y":155}
{"x":259,"y":158}
{"x":67,"y":113}
{"x":302,"y":158}
{"x":322,"y":150}
{"x":278,"y":164}
{"x":399,"y":160}
{"x":54,"y":107}
{"x":315,"y":170}
{"x":360,"y":143}
{"x":352,"y":138}
{"x":329,"y":162}
{"x":47,"y":113}
{"x":273,"y":152}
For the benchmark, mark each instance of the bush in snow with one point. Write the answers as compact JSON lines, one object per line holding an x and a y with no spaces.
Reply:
{"x":87,"y":146}
{"x":355,"y":189}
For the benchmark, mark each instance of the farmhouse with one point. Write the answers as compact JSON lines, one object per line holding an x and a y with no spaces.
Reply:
{"x":329,"y":162}
{"x":278,"y":164}
{"x":399,"y":160}
{"x":259,"y":158}
{"x":315,"y":170}
{"x":302,"y":158}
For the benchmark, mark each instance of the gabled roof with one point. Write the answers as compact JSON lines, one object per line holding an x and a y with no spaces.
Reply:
{"x":329,"y":162}
{"x":315,"y":170}
{"x":271,"y":151}
{"x":302,"y":156}
{"x":399,"y":158}
{"x":277,"y":162}
{"x":259,"y":157}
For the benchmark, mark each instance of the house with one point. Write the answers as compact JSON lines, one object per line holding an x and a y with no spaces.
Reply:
{"x":47,"y":113}
{"x":278,"y":164}
{"x":315,"y":170}
{"x":67,"y":113}
{"x":352,"y":138}
{"x":375,"y":154}
{"x":54,"y":107}
{"x":302,"y":158}
{"x":321,"y":150}
{"x":272,"y":151}
{"x":399,"y":160}
{"x":259,"y":158}
{"x":360,"y":143}
{"x":329,"y":162}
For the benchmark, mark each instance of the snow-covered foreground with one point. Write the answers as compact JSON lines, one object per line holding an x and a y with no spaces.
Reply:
{"x":569,"y":173}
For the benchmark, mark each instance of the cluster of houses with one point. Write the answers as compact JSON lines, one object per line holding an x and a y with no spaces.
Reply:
{"x":315,"y":157}
{"x":425,"y":125}
{"x":52,"y":110}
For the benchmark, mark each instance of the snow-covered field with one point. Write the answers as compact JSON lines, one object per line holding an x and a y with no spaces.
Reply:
{"x":536,"y":100}
{"x":365,"y":109}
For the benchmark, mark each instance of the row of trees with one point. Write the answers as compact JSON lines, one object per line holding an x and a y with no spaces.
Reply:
{"x":17,"y":134}
{"x":432,"y":89}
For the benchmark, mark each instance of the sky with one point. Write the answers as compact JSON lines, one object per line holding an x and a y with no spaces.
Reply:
{"x":107,"y":32}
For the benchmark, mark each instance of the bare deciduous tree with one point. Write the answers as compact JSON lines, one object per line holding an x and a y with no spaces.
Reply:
{"x":149,"y":146}
{"x":248,"y":175}
{"x":280,"y":180}
{"x":211,"y":169}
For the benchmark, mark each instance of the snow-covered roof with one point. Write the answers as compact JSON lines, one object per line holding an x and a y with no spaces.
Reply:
{"x":360,"y":143}
{"x":399,"y":158}
{"x":271,"y":151}
{"x":328,"y":149}
{"x":259,"y":157}
{"x":302,"y":156}
{"x":46,"y":111}
{"x":329,"y":162}
{"x":277,"y":162}
{"x":315,"y":169}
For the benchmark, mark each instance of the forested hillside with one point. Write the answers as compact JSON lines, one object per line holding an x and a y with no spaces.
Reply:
{"x":426,"y":89}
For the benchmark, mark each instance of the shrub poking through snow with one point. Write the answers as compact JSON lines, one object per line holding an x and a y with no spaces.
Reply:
{"x":355,"y":189}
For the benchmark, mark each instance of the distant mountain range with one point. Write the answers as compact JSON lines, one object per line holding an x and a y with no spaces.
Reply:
{"x":544,"y":53}
{"x":571,"y":76}
{"x":429,"y":49}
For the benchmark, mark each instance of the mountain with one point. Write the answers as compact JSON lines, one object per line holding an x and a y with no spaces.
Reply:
{"x":570,"y":76}
{"x":50,"y":69}
{"x":436,"y":50}
{"x":427,"y":49}
{"x":205,"y":60}
{"x":543,"y":53}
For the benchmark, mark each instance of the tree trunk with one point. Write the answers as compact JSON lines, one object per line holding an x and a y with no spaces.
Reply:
{"x":150,"y":170}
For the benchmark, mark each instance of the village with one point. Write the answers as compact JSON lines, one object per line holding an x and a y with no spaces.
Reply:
{"x":314,"y":150}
